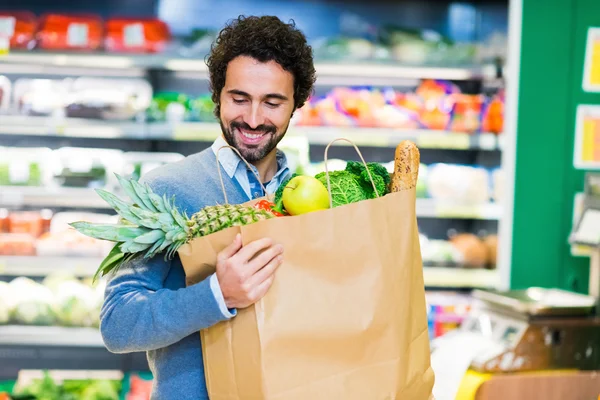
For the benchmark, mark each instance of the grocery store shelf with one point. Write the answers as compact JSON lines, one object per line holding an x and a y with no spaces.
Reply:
{"x":49,"y":336}
{"x":357,"y":72}
{"x":206,"y":131}
{"x":38,"y":266}
{"x":87,"y":198}
{"x":430,"y":208}
{"x":436,"y":277}
{"x":85,"y":267}
{"x":16,"y":196}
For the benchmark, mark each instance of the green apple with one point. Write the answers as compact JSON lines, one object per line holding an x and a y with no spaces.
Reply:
{"x":304,"y":194}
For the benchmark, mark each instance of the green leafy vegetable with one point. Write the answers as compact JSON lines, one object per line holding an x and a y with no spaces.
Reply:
{"x":278,"y":200}
{"x":381,"y":177}
{"x":345,"y":187}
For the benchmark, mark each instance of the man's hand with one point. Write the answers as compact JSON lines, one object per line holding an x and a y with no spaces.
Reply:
{"x":246,"y":273}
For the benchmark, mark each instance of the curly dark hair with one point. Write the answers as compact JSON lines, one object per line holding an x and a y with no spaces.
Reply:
{"x":263,"y":38}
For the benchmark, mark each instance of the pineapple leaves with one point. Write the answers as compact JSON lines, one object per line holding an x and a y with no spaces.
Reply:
{"x":150,"y":237}
{"x":110,"y":263}
{"x":110,"y":232}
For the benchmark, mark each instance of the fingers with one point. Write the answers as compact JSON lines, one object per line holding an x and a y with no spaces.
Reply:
{"x":230,"y":250}
{"x":267,"y":271}
{"x":263,"y":259}
{"x":250,"y":250}
{"x":258,"y":292}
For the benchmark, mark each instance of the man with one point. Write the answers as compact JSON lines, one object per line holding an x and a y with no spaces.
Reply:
{"x":261,"y":71}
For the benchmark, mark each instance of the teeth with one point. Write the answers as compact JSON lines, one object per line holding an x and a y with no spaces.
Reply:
{"x":252,"y":136}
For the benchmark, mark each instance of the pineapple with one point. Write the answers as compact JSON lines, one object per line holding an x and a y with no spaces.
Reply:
{"x":151,"y":224}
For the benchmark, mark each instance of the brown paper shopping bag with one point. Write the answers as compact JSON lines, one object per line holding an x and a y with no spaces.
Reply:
{"x":345,"y":318}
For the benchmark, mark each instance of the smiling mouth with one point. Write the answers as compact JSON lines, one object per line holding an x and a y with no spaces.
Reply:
{"x":251,"y":137}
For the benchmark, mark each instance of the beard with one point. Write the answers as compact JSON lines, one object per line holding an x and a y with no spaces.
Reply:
{"x":252,"y":153}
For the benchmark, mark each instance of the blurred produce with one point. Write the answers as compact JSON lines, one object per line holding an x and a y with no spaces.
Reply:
{"x":23,"y":24}
{"x":107,"y":99}
{"x":458,"y":183}
{"x":62,"y":240}
{"x":463,"y":250}
{"x":60,"y":300}
{"x":51,"y":387}
{"x":434,"y":105}
{"x":83,"y":32}
{"x":87,"y":167}
{"x":136,"y":35}
{"x":25,"y":166}
{"x":473,"y":250}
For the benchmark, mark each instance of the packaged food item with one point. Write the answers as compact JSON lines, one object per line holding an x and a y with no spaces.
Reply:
{"x":136,"y":35}
{"x":83,"y":32}
{"x":458,"y":183}
{"x":88,"y":167}
{"x":5,"y":92}
{"x":3,"y":220}
{"x":17,"y":244}
{"x":493,"y":114}
{"x":474,"y":251}
{"x":39,"y":97}
{"x":137,"y":164}
{"x":438,"y":101}
{"x":33,"y":223}
{"x":108,"y":99}
{"x":19,"y":27}
{"x":466,"y":113}
{"x":63,"y":240}
{"x":20,"y":166}
{"x":169,"y":106}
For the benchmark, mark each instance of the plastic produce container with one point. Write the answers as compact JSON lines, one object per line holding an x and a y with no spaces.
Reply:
{"x":83,"y":32}
{"x":26,"y":166}
{"x":136,"y":35}
{"x":88,"y":167}
{"x":19,"y":27}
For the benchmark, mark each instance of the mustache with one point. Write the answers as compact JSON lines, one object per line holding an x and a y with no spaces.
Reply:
{"x":263,"y":128}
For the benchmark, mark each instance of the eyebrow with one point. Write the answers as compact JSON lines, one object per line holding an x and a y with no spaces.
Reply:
{"x":267,"y":96}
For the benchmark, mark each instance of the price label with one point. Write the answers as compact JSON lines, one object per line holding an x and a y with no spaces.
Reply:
{"x":4,"y":45}
{"x":458,"y":211}
{"x":77,"y":35}
{"x":134,"y":35}
{"x":444,"y":140}
{"x":487,"y":141}
{"x":7,"y":27}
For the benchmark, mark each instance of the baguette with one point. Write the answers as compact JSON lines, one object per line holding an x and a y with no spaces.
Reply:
{"x":406,"y":167}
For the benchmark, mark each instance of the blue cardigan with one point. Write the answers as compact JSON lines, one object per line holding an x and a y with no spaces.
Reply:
{"x":147,"y":306}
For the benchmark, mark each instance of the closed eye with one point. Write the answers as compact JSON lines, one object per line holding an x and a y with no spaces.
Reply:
{"x":239,"y":101}
{"x":272,"y":105}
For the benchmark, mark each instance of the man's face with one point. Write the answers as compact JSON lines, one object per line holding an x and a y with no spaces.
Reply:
{"x":257,"y":102}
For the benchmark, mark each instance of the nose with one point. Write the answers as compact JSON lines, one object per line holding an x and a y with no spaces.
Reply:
{"x":254,"y":118}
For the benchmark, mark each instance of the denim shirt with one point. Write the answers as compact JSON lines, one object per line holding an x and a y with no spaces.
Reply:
{"x":244,"y":175}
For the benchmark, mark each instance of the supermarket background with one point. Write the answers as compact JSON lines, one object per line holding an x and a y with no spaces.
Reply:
{"x":488,"y":89}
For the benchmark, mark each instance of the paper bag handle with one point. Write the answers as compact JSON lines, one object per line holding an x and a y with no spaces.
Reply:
{"x":361,"y":158}
{"x":245,"y":162}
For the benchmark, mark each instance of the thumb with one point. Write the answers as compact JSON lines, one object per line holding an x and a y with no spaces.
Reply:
{"x":233,"y":248}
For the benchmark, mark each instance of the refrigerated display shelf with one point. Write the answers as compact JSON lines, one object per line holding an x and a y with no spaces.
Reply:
{"x":444,"y":277}
{"x":87,"y":198}
{"x":366,"y":72}
{"x":208,"y":131}
{"x":50,"y":336}
{"x":467,"y":278}
{"x":40,"y":266}
{"x":48,"y":197}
